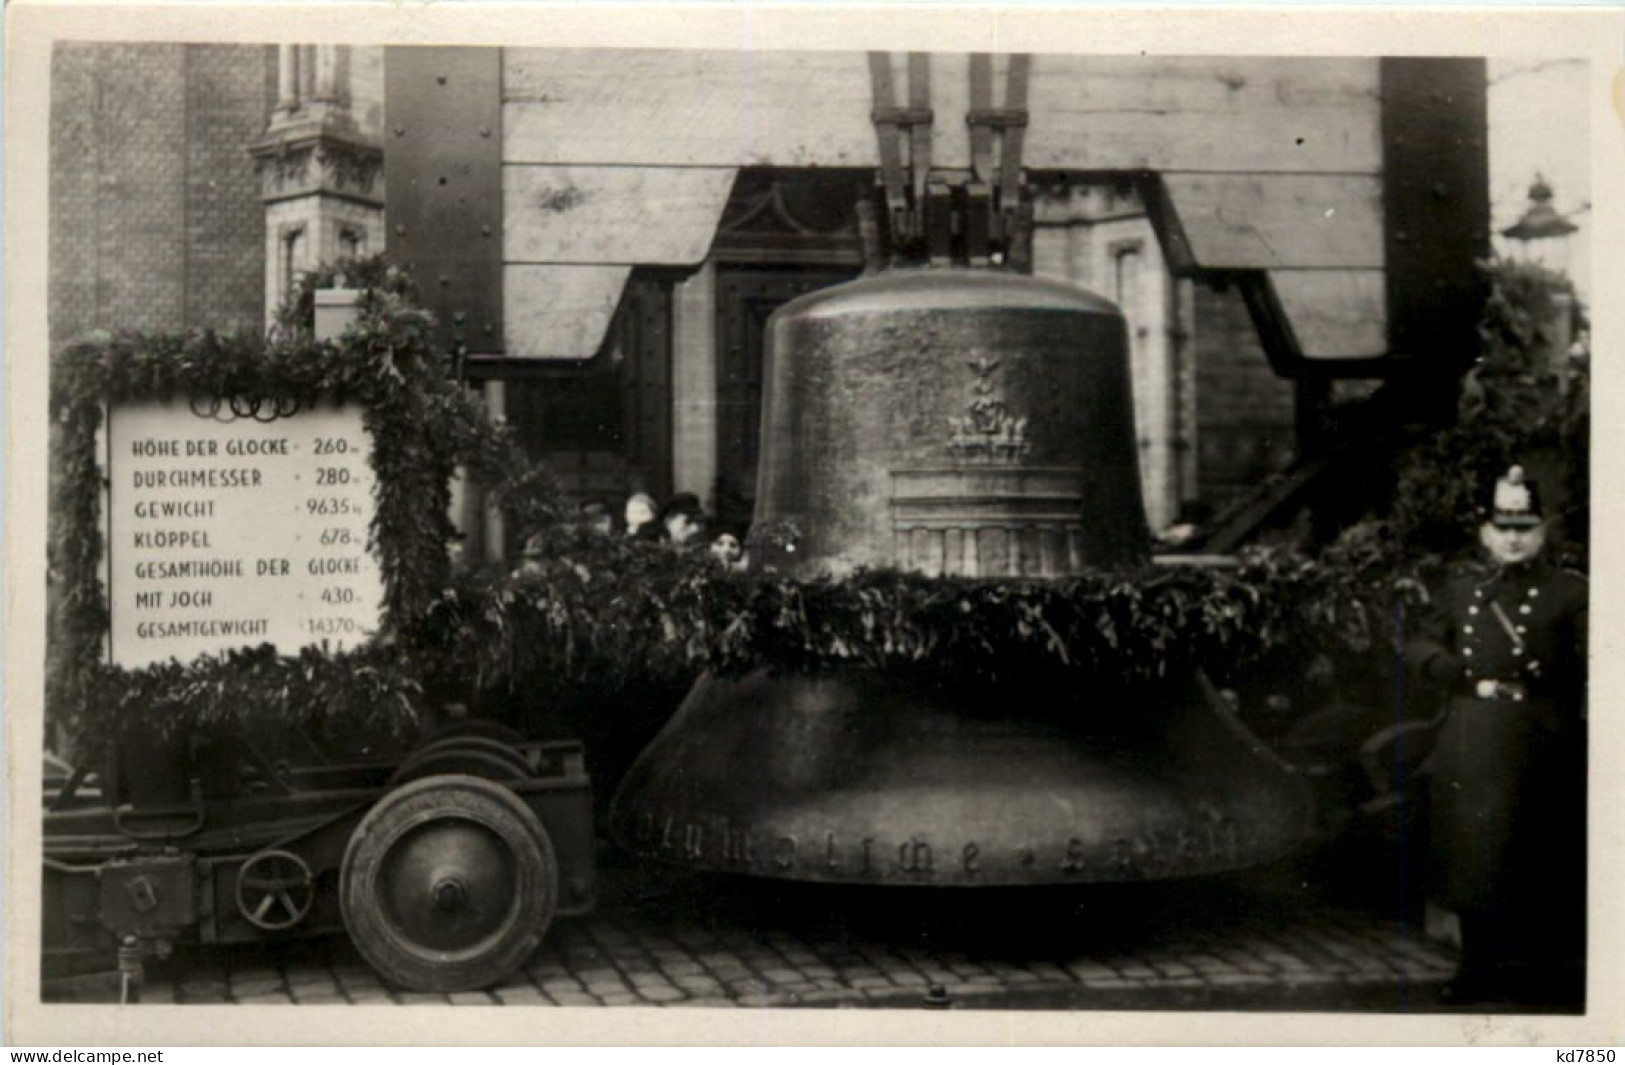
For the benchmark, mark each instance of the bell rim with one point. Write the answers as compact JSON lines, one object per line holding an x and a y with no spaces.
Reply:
{"x":1083,"y":814}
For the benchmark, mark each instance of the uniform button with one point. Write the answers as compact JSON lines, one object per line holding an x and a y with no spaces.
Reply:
{"x":1467,"y":629}
{"x":1478,"y":593}
{"x":1474,"y":609}
{"x":1521,"y":629}
{"x":1533,"y":592}
{"x":1525,"y":609}
{"x":1517,"y":650}
{"x":1517,"y":697}
{"x":1467,"y":651}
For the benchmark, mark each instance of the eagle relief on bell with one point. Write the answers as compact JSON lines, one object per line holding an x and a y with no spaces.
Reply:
{"x":987,"y":430}
{"x":969,"y":424}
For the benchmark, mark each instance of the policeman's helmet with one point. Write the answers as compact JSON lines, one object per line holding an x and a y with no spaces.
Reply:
{"x":1515,"y":501}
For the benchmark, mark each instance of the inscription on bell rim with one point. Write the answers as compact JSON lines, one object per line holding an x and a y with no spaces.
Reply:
{"x":715,"y":843}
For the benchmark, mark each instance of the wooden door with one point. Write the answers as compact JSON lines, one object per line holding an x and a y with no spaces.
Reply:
{"x":603,"y":426}
{"x":746,"y":297}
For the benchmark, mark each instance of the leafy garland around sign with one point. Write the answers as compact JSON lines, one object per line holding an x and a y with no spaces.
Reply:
{"x":423,"y":425}
{"x":598,"y":631}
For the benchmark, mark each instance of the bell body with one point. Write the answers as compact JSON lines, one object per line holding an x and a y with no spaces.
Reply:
{"x":966,"y":422}
{"x":971,"y":423}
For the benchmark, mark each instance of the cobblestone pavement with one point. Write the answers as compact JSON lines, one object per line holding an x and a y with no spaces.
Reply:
{"x":1258,"y":941}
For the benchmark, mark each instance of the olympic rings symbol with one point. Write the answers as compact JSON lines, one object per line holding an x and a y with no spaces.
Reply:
{"x":229,"y":410}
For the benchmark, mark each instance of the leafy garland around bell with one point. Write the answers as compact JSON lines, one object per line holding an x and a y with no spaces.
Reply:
{"x":596,"y":624}
{"x":612,"y":609}
{"x":423,"y":425}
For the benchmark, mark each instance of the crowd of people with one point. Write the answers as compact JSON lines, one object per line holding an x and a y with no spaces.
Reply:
{"x":681,"y":524}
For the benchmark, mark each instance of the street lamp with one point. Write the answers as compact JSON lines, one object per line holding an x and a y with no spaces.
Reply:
{"x":1543,"y":238}
{"x":1542,"y":233}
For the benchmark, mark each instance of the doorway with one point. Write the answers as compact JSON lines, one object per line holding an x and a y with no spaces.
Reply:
{"x":747,"y":295}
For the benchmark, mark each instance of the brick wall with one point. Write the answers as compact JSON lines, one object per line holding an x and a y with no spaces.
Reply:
{"x":156,"y":221}
{"x":1244,"y":412}
{"x":227,"y":109}
{"x":74,"y":163}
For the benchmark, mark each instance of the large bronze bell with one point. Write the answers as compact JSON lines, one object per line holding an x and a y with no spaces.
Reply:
{"x":979,"y":423}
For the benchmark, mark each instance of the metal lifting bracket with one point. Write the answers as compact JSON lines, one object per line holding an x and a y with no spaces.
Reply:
{"x":925,"y":215}
{"x":996,"y":118}
{"x":902,"y":116}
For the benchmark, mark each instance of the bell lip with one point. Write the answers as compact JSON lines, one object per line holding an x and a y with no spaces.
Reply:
{"x":926,"y":288}
{"x":985,"y":881}
{"x":1272,"y":806}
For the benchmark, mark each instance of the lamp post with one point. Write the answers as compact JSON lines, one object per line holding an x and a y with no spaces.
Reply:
{"x":1543,"y":235}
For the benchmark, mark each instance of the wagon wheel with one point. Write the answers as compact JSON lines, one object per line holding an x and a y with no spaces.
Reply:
{"x":479,"y":727}
{"x":275,"y":890}
{"x":470,"y":755}
{"x":448,"y":884}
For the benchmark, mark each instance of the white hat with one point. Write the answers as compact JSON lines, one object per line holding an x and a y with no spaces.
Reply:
{"x":1516,"y":501}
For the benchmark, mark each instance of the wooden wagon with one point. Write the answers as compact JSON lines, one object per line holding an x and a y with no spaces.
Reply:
{"x":445,"y":867}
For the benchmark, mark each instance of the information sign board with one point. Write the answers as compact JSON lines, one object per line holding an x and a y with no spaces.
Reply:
{"x":234,"y":523}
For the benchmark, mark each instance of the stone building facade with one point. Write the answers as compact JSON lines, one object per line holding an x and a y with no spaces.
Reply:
{"x":640,"y":237}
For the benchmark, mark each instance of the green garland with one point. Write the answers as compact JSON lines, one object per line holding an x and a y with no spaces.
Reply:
{"x":602,"y":633}
{"x":371,"y":690}
{"x":423,"y":425}
{"x":644,"y":613}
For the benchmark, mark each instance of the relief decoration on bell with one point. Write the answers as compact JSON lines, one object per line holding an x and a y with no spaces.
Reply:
{"x":988,"y":431}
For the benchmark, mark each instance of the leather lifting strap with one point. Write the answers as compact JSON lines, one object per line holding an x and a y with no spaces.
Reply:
{"x":981,"y":103}
{"x":1015,"y":133}
{"x":884,"y":115}
{"x":904,"y":190}
{"x":1010,"y":124}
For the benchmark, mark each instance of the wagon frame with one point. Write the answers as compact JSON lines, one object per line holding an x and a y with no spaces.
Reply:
{"x":445,"y":867}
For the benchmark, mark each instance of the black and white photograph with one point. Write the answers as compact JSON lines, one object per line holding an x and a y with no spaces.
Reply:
{"x":742,"y":523}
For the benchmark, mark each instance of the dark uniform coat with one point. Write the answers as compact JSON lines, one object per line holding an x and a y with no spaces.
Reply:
{"x":1507,"y":798}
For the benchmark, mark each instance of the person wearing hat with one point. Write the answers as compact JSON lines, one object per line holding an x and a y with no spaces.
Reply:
{"x":597,"y":519}
{"x":1506,"y":810}
{"x":684,"y":520}
{"x":640,"y":517}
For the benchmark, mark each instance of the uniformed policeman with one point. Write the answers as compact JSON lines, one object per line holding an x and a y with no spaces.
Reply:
{"x":1506,"y":641}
